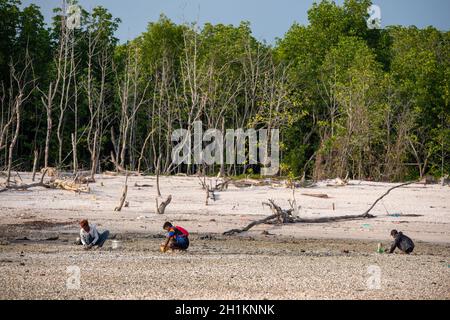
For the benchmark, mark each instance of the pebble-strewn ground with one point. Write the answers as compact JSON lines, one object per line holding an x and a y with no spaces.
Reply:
{"x":223,"y":268}
{"x":294,"y":261}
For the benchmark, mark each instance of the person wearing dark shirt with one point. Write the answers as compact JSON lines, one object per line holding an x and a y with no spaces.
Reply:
{"x":402,"y":242}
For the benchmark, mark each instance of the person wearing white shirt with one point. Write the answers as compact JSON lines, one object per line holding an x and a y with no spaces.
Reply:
{"x":89,"y":235}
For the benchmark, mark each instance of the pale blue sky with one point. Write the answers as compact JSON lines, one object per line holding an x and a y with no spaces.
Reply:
{"x":269,"y":18}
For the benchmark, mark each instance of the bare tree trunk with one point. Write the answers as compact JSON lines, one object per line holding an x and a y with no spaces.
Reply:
{"x":36,"y":154}
{"x":48,"y":107}
{"x":160,"y":208}
{"x":74,"y":154}
{"x":150,"y":133}
{"x":124,"y":195}
{"x":18,"y":104}
{"x":94,"y":155}
{"x":157,"y":176}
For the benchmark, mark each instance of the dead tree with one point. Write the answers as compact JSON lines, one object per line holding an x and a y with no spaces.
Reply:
{"x":36,"y":154}
{"x":24,"y":87}
{"x":160,"y":208}
{"x":54,"y":183}
{"x":48,"y":98}
{"x":141,"y":156}
{"x":285,"y":216}
{"x":158,"y":166}
{"x":99,"y":59}
{"x":27,"y":186}
{"x":18,"y":104}
{"x":119,"y":169}
{"x":74,"y":153}
{"x":209,"y":190}
{"x":251,"y":225}
{"x":223,"y":185}
{"x":5,"y":123}
{"x":124,"y":195}
{"x":132,"y":92}
{"x":47,"y":101}
{"x":66,"y":78}
{"x":282,"y":216}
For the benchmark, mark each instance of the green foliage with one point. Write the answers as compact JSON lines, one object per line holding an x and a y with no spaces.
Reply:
{"x":373,"y":104}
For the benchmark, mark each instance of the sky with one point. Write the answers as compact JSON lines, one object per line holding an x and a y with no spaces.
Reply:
{"x":269,"y":19}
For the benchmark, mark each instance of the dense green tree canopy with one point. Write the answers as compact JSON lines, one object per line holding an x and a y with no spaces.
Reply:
{"x":349,"y":100}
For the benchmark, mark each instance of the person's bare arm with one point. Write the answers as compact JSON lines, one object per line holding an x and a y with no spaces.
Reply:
{"x":394,"y":245}
{"x":167,"y":243}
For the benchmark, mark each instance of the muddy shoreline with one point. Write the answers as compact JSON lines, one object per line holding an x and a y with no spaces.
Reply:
{"x":219,"y":267}
{"x":290,"y":261}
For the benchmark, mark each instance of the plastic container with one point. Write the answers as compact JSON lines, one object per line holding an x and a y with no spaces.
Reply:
{"x":116,"y":244}
{"x":380,"y":248}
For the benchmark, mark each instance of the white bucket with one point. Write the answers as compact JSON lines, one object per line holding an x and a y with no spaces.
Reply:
{"x":116,"y":244}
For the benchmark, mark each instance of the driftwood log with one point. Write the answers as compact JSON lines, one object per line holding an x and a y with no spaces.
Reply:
{"x":28,"y":186}
{"x":137,"y":185}
{"x":223,"y":185}
{"x":316,"y":195}
{"x":70,"y":185}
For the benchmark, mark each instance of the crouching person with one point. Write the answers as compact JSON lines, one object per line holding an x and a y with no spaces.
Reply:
{"x":90,"y":237}
{"x":177,"y":238}
{"x":402,"y":242}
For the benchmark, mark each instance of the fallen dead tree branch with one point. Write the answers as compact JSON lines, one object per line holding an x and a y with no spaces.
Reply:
{"x":28,"y":186}
{"x":281,"y":216}
{"x":121,"y":173}
{"x":246,"y":183}
{"x":64,"y":184}
{"x":69,"y":185}
{"x":137,"y":185}
{"x":386,"y":193}
{"x":275,"y":183}
{"x":251,"y":225}
{"x":84,"y":179}
{"x":338,"y":182}
{"x":36,"y":154}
